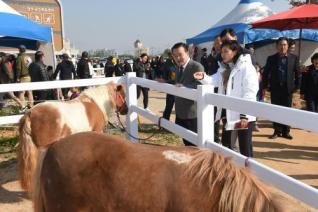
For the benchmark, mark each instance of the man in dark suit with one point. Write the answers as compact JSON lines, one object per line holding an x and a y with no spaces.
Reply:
{"x":186,"y":110}
{"x":281,"y":74}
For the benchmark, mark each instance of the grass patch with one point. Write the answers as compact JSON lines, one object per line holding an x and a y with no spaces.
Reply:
{"x":8,"y":143}
{"x":8,"y":111}
{"x":162,"y":137}
{"x":7,"y":151}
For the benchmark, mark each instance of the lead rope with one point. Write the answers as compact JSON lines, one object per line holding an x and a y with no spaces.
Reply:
{"x":141,"y":140}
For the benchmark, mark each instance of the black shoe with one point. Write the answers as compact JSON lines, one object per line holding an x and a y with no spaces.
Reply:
{"x":288,"y":136}
{"x":275,"y":135}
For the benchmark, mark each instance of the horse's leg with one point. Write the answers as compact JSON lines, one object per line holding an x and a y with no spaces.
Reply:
{"x":38,"y":200}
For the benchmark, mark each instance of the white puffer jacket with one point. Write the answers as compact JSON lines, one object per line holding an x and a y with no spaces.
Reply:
{"x":242,"y":83}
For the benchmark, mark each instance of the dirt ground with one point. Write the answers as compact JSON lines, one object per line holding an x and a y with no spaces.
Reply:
{"x":297,"y":158}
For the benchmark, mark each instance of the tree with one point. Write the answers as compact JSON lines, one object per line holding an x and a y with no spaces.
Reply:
{"x":296,"y":3}
{"x":166,"y":53}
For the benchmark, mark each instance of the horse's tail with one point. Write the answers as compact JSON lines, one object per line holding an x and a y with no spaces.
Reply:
{"x":38,"y":202}
{"x":27,"y":153}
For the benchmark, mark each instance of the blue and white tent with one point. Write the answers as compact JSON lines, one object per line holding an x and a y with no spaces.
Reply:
{"x":246,"y":12}
{"x":15,"y":29}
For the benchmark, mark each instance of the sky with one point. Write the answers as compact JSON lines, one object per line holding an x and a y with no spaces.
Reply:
{"x":98,"y":24}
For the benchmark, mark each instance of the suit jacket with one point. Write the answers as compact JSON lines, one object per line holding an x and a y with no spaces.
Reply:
{"x":271,"y":73}
{"x":309,"y":83}
{"x":187,"y":109}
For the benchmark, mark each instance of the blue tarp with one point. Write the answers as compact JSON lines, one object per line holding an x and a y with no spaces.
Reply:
{"x":17,"y":26}
{"x":211,"y":33}
{"x":248,"y":35}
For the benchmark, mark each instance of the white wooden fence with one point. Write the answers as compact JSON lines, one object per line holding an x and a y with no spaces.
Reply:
{"x":204,"y":138}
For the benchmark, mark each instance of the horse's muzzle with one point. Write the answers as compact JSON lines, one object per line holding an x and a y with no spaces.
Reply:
{"x":123,"y":110}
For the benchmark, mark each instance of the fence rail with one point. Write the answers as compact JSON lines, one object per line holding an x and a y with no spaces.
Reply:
{"x":204,"y":137}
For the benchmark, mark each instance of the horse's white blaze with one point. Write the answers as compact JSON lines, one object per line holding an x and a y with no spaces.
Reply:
{"x":177,"y":157}
{"x":74,"y":116}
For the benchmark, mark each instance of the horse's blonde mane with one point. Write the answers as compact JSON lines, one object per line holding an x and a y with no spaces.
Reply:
{"x":239,"y":190}
{"x":100,"y":94}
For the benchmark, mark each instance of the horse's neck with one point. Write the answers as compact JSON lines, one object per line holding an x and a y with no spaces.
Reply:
{"x":103,"y":104}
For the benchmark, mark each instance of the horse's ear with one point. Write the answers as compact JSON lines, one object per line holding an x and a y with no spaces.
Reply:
{"x":120,"y":87}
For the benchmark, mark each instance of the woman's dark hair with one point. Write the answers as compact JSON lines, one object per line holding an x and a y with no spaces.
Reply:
{"x":178,"y":45}
{"x":234,"y":46}
{"x":314,"y":57}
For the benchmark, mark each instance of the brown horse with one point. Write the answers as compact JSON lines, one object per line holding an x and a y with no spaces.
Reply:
{"x":47,"y":122}
{"x":96,"y":172}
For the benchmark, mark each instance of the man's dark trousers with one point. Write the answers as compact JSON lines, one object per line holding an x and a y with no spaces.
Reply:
{"x":283,"y":98}
{"x":190,"y":124}
{"x":169,"y":106}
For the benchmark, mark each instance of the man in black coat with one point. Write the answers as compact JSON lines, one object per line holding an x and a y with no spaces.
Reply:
{"x":38,"y":73}
{"x":109,"y":67}
{"x":66,"y":71}
{"x":127,"y":67}
{"x":281,"y":74}
{"x":83,"y":67}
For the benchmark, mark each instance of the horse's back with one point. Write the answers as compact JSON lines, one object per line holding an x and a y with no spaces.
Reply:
{"x":46,"y":124}
{"x":51,"y":121}
{"x":108,"y":173}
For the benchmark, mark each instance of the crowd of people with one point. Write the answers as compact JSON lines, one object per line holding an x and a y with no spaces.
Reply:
{"x":234,"y":71}
{"x":22,"y":69}
{"x":231,"y":68}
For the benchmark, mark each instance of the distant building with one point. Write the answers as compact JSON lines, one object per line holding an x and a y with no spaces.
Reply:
{"x":69,"y":49}
{"x":139,"y":48}
{"x":46,"y":12}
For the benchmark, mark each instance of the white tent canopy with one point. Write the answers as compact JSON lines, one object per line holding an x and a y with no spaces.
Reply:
{"x":4,"y":8}
{"x":246,"y":12}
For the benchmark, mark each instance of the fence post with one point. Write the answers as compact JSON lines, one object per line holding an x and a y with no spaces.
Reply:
{"x":205,"y":116}
{"x":131,"y":118}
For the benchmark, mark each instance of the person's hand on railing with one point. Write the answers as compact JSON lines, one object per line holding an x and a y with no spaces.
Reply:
{"x":198,"y":75}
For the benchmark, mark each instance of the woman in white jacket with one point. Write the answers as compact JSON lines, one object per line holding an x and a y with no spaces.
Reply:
{"x":236,"y":77}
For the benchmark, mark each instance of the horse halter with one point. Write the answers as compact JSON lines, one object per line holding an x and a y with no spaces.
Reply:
{"x":120,"y":102}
